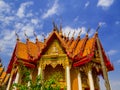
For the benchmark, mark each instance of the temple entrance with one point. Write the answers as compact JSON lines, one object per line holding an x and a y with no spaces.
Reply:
{"x":57,"y":74}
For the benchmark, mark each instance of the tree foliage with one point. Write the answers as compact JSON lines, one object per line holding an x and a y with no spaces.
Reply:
{"x":52,"y":83}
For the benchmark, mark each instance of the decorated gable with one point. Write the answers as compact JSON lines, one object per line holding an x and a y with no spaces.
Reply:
{"x":54,"y":48}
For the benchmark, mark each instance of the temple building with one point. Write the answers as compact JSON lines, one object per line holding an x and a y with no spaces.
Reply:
{"x":79,"y":60}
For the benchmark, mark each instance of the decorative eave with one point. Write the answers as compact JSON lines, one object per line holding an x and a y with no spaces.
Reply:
{"x":83,"y":60}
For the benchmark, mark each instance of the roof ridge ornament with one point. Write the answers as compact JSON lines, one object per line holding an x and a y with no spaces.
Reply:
{"x":26,"y":36}
{"x":35,"y":35}
{"x":17,"y":36}
{"x":54,"y":26}
{"x":88,"y":31}
{"x":73,"y":33}
{"x":99,"y":25}
{"x":68,"y":34}
{"x":43,"y":36}
{"x":80,"y":32}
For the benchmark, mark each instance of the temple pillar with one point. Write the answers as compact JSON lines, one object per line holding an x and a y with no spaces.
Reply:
{"x":68,"y":78}
{"x":30,"y":79}
{"x":17,"y":77}
{"x":79,"y":81}
{"x":90,"y":78}
{"x":39,"y":70}
{"x":9,"y":83}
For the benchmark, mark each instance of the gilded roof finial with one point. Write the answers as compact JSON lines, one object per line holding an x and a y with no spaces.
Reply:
{"x":80,"y":32}
{"x":44,"y":37}
{"x":54,"y":26}
{"x":88,"y":31}
{"x":68,"y":34}
{"x":73,"y":34}
{"x":35,"y":35}
{"x":17,"y":36}
{"x":99,"y":25}
{"x":61,"y":25}
{"x":26,"y":36}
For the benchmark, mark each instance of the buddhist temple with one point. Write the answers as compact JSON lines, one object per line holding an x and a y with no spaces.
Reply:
{"x":79,"y":60}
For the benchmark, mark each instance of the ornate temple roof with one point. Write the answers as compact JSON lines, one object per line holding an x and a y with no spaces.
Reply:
{"x":4,"y":77}
{"x":79,"y":50}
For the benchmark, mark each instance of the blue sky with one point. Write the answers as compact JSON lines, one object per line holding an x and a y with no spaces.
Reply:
{"x":37,"y":15}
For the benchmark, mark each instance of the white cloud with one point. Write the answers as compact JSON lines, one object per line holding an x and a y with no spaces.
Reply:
{"x":117,"y":22}
{"x":112,"y":52}
{"x":102,"y":23}
{"x":87,"y":4}
{"x":21,"y":10}
{"x":76,"y":19}
{"x":118,"y":61}
{"x":7,"y":40}
{"x":68,"y":29}
{"x":105,"y":3}
{"x":115,"y":84}
{"x":51,"y":11}
{"x":34,"y":21}
{"x":4,"y":7}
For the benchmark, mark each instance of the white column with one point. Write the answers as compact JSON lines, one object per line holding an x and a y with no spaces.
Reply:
{"x":9,"y":83}
{"x":39,"y":70}
{"x":68,"y":78}
{"x":79,"y":81}
{"x":90,"y":78}
{"x":17,"y":77}
{"x":30,"y":79}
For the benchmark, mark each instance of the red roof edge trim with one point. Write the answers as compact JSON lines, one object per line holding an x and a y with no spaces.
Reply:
{"x":84,"y":60}
{"x":108,"y":64}
{"x":12,"y":60}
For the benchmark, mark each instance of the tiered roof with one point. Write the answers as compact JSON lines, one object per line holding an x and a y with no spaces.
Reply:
{"x":4,"y":77}
{"x":79,"y":50}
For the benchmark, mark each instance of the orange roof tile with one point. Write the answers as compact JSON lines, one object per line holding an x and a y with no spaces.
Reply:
{"x":32,"y":49}
{"x":21,"y":51}
{"x":88,"y":47}
{"x":2,"y":77}
{"x":79,"y":46}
